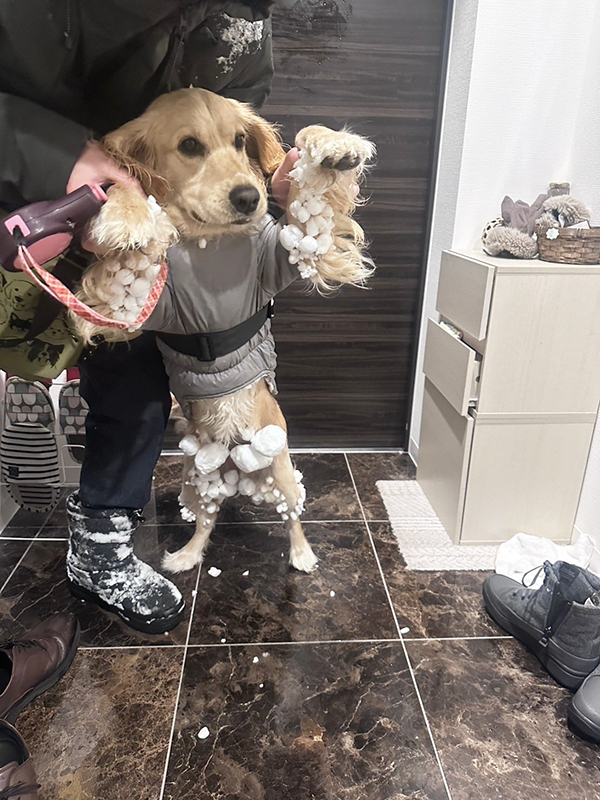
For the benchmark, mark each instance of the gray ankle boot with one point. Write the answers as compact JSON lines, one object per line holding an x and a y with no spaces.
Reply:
{"x":584,"y":710}
{"x":102,"y":568}
{"x":554,"y":621}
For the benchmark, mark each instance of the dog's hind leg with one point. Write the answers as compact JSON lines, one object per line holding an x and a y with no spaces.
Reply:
{"x":193,"y":552}
{"x":289,"y":482}
{"x":205,"y":515}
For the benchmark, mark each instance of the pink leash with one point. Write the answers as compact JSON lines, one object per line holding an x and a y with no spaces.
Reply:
{"x":56,"y":289}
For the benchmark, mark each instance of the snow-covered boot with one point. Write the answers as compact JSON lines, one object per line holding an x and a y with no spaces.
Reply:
{"x":102,"y":568}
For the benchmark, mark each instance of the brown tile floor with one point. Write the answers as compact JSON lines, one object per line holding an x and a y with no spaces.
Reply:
{"x":312,"y":694}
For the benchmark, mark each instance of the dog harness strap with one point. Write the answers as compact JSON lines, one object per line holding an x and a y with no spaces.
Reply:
{"x":210,"y":346}
{"x":56,"y":289}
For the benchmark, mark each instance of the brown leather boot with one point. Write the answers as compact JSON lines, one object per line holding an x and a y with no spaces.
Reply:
{"x":33,"y":663}
{"x":17,"y":775}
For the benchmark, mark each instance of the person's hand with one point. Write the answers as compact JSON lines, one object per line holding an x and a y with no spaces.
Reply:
{"x":280,"y":183}
{"x":94,"y":166}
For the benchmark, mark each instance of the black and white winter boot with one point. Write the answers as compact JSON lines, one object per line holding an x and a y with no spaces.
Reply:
{"x":102,"y":568}
{"x":558,"y":622}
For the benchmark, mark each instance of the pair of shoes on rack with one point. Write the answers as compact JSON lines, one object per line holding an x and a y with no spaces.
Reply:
{"x":559,"y":622}
{"x":29,"y":666}
{"x":28,"y":448}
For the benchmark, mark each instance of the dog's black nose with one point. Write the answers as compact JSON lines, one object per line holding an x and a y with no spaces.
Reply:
{"x":244,"y":199}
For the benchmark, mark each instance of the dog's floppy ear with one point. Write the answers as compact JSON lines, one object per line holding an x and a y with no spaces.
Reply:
{"x":263,"y":142}
{"x":129,"y":145}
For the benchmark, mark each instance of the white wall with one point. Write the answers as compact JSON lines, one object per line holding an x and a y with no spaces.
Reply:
{"x":522,"y":109}
{"x":585,"y":168}
{"x":448,"y":177}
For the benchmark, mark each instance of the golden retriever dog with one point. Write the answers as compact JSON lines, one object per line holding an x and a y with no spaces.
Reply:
{"x":204,"y":161}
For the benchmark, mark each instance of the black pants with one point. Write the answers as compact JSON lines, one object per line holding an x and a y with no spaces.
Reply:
{"x":127,"y":390}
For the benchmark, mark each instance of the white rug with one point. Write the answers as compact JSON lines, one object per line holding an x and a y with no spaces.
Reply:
{"x":422,"y":540}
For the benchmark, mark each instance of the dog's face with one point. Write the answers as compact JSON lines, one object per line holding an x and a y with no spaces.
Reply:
{"x":204,"y":157}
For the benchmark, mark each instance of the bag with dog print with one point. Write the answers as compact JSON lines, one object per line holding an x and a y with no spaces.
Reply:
{"x":37,"y":340}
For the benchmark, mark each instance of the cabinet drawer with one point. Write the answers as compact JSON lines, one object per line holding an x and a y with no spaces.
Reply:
{"x":452,"y":367}
{"x":465,"y":293}
{"x":525,"y":475}
{"x":444,"y":450}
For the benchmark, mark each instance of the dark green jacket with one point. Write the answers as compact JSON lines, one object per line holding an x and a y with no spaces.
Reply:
{"x":70,"y":68}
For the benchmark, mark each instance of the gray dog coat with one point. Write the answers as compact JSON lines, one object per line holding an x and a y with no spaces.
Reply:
{"x":214,"y":289}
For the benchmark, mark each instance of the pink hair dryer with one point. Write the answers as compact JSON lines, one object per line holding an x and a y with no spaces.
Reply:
{"x":48,"y":227}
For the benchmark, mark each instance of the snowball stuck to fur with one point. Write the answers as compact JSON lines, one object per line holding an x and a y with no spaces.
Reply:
{"x":270,"y":440}
{"x":249,"y":460}
{"x":324,"y":242}
{"x":231,"y":477}
{"x":131,"y":303}
{"x":308,"y":245}
{"x":314,"y":206}
{"x":189,"y":445}
{"x":187,"y":515}
{"x":117,"y":290}
{"x":210,"y":457}
{"x":153,"y":271}
{"x":312,"y":227}
{"x":124,"y":277}
{"x":140,"y":287}
{"x":214,"y":572}
{"x":153,"y":205}
{"x":298,"y":211}
{"x":290,"y":236}
{"x":303,"y":215}
{"x":246,"y":486}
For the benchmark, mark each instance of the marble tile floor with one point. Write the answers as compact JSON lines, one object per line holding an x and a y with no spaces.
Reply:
{"x":362,"y":681}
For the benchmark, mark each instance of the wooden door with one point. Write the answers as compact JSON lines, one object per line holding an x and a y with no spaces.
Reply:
{"x":346,"y":362}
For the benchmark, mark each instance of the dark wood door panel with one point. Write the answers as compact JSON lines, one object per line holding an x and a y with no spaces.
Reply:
{"x":385,"y":22}
{"x":345,"y":361}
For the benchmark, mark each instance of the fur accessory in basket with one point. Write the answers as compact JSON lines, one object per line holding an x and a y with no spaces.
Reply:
{"x":513,"y":234}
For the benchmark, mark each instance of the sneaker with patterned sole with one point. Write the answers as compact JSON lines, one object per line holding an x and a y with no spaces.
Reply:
{"x":72,"y":411}
{"x":27,"y":403}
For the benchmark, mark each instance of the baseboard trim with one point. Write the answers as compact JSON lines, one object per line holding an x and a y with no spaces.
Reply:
{"x":413,"y":451}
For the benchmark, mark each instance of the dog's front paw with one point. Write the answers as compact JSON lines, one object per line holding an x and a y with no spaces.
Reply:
{"x":302,"y":558}
{"x":338,"y":150}
{"x":127,"y":221}
{"x":180,"y":561}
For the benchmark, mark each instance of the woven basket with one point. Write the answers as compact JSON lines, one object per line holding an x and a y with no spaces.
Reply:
{"x":571,"y":246}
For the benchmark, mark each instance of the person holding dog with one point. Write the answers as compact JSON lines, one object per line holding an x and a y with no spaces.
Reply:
{"x":70,"y":71}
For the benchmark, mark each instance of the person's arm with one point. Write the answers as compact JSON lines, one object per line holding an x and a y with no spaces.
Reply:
{"x":38,"y":149}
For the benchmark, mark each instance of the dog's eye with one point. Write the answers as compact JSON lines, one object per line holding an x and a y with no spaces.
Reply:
{"x":191,"y":147}
{"x":239,"y":141}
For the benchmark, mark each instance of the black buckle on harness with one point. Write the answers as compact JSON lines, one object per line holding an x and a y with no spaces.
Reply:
{"x":210,"y":346}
